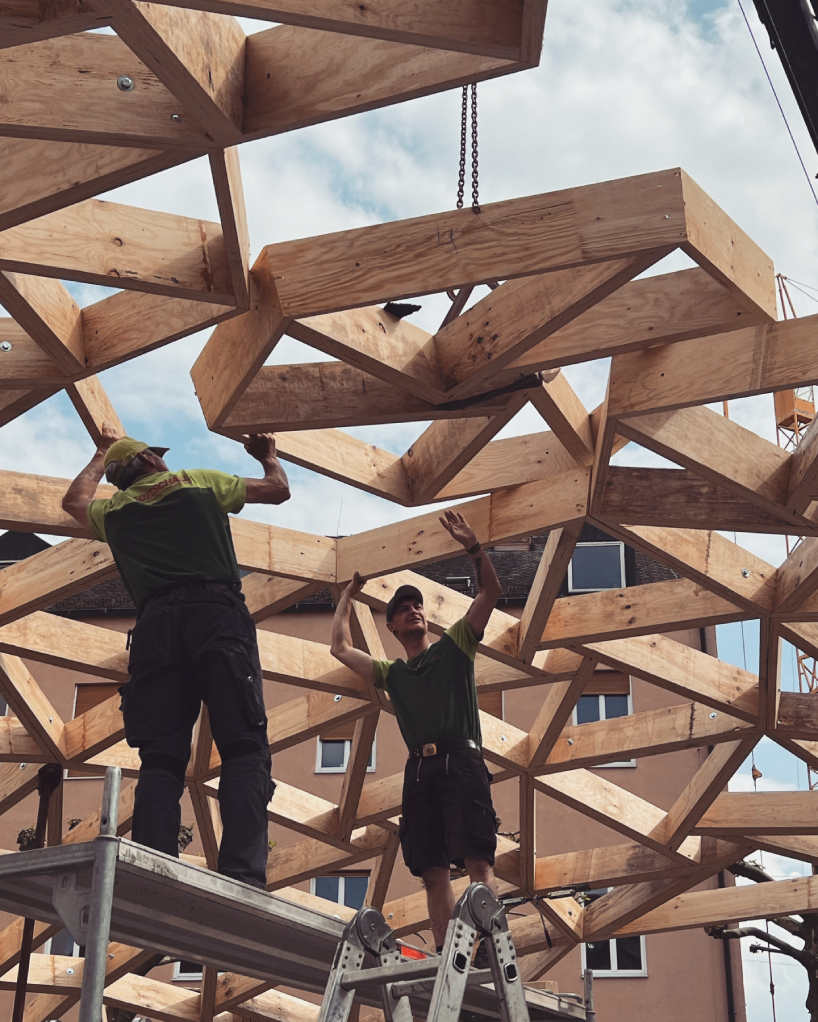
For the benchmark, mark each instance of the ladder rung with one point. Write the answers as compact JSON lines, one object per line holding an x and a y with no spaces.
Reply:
{"x":413,"y":969}
{"x":423,"y":986}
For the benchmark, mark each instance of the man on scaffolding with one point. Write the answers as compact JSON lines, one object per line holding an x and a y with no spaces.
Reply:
{"x":194,"y":640}
{"x":447,"y":813}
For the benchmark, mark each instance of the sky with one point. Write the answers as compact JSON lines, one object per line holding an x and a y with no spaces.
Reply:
{"x":624,"y":87}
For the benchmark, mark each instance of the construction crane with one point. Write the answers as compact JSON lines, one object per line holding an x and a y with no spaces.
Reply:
{"x":794,"y":412}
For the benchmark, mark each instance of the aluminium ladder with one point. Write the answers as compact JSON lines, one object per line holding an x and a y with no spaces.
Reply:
{"x":477,"y":914}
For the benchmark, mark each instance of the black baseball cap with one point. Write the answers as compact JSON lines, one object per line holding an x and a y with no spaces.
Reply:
{"x":400,"y":594}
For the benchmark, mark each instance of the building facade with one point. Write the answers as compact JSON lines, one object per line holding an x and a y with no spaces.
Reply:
{"x":674,"y":976}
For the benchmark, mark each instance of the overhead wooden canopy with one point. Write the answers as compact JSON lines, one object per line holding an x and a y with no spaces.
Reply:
{"x":568,"y":263}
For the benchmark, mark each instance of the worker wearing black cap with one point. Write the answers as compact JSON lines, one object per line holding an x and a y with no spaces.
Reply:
{"x":194,"y":640}
{"x":447,"y":812}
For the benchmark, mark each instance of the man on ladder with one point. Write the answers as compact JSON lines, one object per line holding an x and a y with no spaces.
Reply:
{"x":447,"y":812}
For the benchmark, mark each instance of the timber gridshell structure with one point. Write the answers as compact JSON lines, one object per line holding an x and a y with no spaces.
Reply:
{"x":81,"y":113}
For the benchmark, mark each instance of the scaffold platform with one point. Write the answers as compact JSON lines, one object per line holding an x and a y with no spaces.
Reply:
{"x":111,"y":888}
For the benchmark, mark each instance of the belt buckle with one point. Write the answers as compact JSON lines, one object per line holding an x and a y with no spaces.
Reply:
{"x":430,"y":749}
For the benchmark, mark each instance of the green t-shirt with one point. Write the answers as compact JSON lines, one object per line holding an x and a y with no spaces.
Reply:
{"x":434,"y":695}
{"x":170,"y":528}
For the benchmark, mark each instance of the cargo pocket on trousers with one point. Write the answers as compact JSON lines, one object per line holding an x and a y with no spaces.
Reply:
{"x":251,"y":698}
{"x":482,"y":823}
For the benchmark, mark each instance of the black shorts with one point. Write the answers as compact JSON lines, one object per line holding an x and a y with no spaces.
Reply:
{"x":448,"y":815}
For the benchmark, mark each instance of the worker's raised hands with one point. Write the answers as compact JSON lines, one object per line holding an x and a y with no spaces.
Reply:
{"x":458,"y":528}
{"x":109,"y":435}
{"x":261,"y":446}
{"x":355,"y":586}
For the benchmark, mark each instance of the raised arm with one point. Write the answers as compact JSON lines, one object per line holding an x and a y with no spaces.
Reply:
{"x":342,"y":648}
{"x":81,"y":491}
{"x":273,"y":488}
{"x":488,"y":585}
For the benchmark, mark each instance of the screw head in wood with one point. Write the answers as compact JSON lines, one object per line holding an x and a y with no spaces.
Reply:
{"x":336,"y":699}
{"x":6,"y":345}
{"x":125,"y":83}
{"x":745,"y":572}
{"x":175,"y":118}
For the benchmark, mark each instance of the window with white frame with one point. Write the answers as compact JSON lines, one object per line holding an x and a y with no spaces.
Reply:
{"x":607,"y":695}
{"x":332,"y":755}
{"x":344,"y":889}
{"x":186,"y":971}
{"x":596,"y":566}
{"x":618,"y":958}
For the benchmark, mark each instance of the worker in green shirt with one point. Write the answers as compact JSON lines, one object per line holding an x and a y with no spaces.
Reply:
{"x":194,"y":640}
{"x":447,"y":812}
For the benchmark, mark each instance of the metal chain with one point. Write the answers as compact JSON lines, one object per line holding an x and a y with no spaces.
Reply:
{"x":475,"y":204}
{"x":461,"y":179}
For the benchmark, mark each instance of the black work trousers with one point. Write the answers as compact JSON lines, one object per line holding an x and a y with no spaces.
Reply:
{"x":192,"y":645}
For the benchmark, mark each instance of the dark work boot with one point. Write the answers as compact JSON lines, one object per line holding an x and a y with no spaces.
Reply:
{"x":245,"y":789}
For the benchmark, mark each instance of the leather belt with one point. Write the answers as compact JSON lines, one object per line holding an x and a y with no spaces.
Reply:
{"x":439,"y":748}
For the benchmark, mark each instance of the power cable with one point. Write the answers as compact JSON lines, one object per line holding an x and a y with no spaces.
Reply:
{"x":778,"y":101}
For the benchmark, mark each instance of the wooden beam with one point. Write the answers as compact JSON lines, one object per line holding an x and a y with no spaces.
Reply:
{"x":95,"y":730}
{"x":613,"y":806}
{"x":270,"y":548}
{"x":764,"y":812}
{"x":43,"y":176}
{"x":25,"y":21}
{"x":527,"y":821}
{"x":519,"y":512}
{"x":559,"y":405}
{"x":797,"y":578}
{"x":663,"y":309}
{"x":47,"y":312}
{"x":343,"y":457}
{"x":66,"y":643}
{"x":637,"y":610}
{"x":608,"y":866}
{"x":509,"y":462}
{"x":15,"y":402}
{"x":320,"y":395}
{"x":309,"y":857}
{"x":711,"y":560}
{"x":237,"y":348}
{"x":131,"y":323}
{"x":63,"y":93}
{"x":720,"y":246}
{"x":490,"y":27}
{"x":755,"y":360}
{"x":710,"y":908}
{"x":555,"y":712}
{"x":703,"y":789}
{"x":32,"y":707}
{"x":381,"y":874}
{"x":680,"y":499}
{"x":647,"y":733}
{"x":520,"y":314}
{"x":25,"y":364}
{"x":379,"y":344}
{"x":679,"y":668}
{"x":448,"y":445}
{"x":197,"y":55}
{"x":802,"y":489}
{"x":324,"y":75}
{"x":226,"y":171}
{"x":551,"y":232}
{"x":103,"y":243}
{"x":266,"y":595}
{"x":720,"y":450}
{"x":53,"y":574}
{"x":551,"y":572}
{"x":94,"y":407}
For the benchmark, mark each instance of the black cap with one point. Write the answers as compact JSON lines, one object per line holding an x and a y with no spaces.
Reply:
{"x":400,"y":594}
